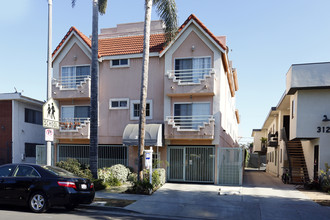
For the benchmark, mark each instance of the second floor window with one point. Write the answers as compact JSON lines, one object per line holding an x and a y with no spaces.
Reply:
{"x":119,"y":63}
{"x":191,"y":70}
{"x":75,"y":113}
{"x":119,"y":103}
{"x":191,"y":115}
{"x":33,"y":116}
{"x":135,"y":109}
{"x":72,"y":76}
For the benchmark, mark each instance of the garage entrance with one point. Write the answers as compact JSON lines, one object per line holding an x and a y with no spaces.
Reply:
{"x":191,"y":164}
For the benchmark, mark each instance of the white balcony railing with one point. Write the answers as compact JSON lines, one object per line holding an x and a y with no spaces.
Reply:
{"x":71,"y":82}
{"x":190,"y":76}
{"x":189,"y":123}
{"x":72,"y":124}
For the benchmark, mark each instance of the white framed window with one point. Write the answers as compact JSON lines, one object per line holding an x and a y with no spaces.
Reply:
{"x":135,"y":109}
{"x":192,"y":70}
{"x":191,"y":115}
{"x":72,"y":76}
{"x":119,"y":103}
{"x":71,"y":112}
{"x":119,"y":63}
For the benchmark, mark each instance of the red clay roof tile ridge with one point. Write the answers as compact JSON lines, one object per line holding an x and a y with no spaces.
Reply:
{"x":79,"y":33}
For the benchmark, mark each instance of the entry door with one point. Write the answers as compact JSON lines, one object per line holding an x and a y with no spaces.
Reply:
{"x":199,"y":164}
{"x":286,"y":125}
{"x":41,"y":154}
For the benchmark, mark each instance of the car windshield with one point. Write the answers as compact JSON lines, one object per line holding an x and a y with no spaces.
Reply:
{"x":59,"y":171}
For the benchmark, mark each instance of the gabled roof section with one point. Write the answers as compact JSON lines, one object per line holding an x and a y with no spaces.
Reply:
{"x":220,"y":41}
{"x":117,"y":46}
{"x":193,"y":17}
{"x":134,"y":44}
{"x":65,"y":38}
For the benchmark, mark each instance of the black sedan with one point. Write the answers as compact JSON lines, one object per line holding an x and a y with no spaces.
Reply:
{"x":41,"y":187}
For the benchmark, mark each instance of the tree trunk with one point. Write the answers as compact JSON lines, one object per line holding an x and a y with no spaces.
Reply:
{"x":144,"y":85}
{"x":93,"y":149}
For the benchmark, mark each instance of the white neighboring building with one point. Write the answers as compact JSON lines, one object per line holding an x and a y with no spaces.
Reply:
{"x":20,"y":128}
{"x":302,"y":116}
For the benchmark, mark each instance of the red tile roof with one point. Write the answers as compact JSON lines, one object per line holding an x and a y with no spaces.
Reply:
{"x":133,"y":44}
{"x":82,"y":36}
{"x":129,"y":45}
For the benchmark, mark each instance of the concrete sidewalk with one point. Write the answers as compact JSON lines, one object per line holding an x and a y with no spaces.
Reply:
{"x":262,"y":196}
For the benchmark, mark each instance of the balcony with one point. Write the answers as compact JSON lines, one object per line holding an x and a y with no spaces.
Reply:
{"x":273,"y":140}
{"x":190,"y":127}
{"x":73,"y":128}
{"x":72,"y":87}
{"x":190,"y":82}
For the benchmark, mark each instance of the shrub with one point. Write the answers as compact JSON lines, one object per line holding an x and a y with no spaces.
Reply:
{"x":132,"y":177}
{"x":72,"y":165}
{"x":144,"y":187}
{"x":162,"y":175}
{"x":99,"y":184}
{"x":141,"y":187}
{"x":120,"y":172}
{"x":324,"y":179}
{"x":115,"y":175}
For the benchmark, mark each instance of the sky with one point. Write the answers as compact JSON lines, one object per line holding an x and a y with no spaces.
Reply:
{"x":265,"y":38}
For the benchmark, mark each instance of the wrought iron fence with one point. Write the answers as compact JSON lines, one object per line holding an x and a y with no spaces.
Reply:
{"x":108,"y":155}
{"x":231,"y":166}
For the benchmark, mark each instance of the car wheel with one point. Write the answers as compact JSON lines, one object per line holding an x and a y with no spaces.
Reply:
{"x":38,"y":202}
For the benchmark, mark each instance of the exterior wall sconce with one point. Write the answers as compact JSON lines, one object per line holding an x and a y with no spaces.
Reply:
{"x":193,"y":48}
{"x":75,"y":58}
{"x":325,"y":118}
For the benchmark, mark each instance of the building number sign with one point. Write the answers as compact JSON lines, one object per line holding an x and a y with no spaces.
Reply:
{"x":323,"y":129}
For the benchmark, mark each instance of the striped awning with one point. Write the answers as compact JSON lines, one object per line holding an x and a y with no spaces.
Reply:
{"x":153,"y":135}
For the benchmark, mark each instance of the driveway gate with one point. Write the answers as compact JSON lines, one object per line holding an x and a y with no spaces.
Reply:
{"x":230,"y":166}
{"x":191,"y":163}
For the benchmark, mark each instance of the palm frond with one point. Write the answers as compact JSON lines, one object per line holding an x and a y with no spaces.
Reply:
{"x":167,"y":11}
{"x":103,"y":6}
{"x":73,"y":3}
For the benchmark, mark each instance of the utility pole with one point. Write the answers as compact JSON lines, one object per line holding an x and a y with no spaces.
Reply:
{"x":49,"y":72}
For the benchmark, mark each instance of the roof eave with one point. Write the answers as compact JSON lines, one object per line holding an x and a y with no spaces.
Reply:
{"x":193,"y":19}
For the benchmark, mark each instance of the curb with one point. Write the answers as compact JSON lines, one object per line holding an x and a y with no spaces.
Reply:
{"x":107,"y":208}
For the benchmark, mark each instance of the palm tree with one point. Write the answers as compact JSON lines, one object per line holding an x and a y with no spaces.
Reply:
{"x":98,"y":6}
{"x":167,"y":11}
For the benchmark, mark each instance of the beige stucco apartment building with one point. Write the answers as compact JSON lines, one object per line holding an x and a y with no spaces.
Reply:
{"x":298,"y":128}
{"x":192,"y":121}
